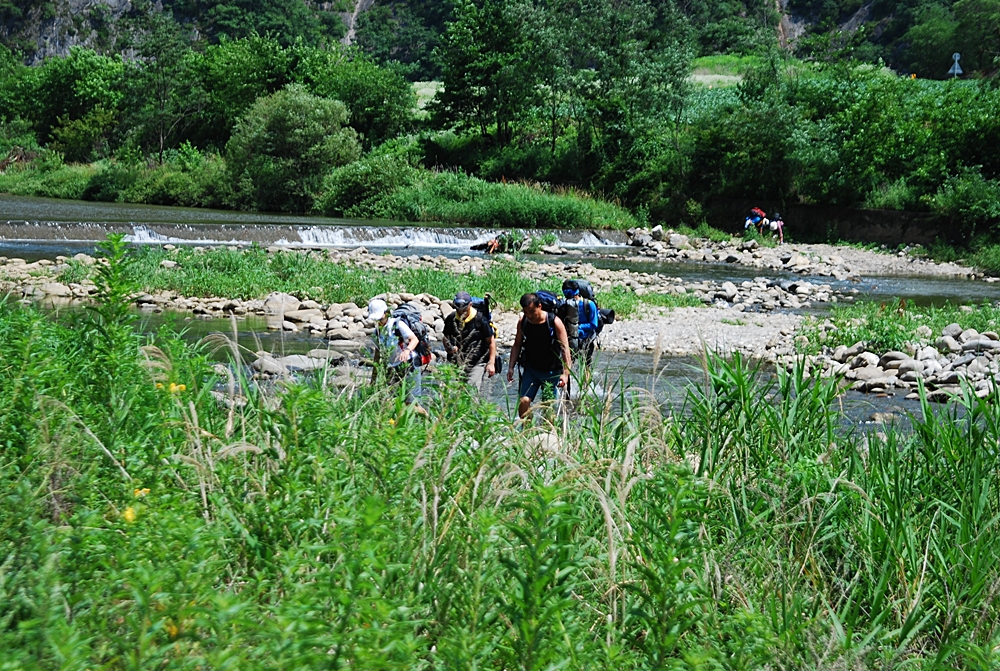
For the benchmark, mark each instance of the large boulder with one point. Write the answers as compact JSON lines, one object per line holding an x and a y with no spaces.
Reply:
{"x":268,"y":365}
{"x":57,"y":289}
{"x":302,"y":363}
{"x":278,"y":302}
{"x":304,"y":315}
{"x":678,"y":241}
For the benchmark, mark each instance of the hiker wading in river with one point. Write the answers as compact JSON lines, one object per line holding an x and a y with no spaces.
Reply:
{"x":542,"y":350}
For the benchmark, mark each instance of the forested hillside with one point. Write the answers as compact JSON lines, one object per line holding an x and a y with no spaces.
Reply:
{"x":590,"y":101}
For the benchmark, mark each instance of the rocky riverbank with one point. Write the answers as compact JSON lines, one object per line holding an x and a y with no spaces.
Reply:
{"x":839,"y":262}
{"x":674,"y":332}
{"x":942,"y":364}
{"x":756,"y":317}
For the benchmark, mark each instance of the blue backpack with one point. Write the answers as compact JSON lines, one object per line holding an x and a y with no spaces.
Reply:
{"x":550,"y":302}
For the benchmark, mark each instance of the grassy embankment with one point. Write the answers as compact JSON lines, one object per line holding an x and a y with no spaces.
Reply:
{"x":890,"y":326}
{"x":143,"y":523}
{"x":253,"y":273}
{"x":380,"y":186}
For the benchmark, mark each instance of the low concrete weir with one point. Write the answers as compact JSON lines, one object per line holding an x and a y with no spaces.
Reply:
{"x":319,"y":235}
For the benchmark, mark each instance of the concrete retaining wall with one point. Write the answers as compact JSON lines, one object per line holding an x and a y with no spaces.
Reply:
{"x":823,"y":223}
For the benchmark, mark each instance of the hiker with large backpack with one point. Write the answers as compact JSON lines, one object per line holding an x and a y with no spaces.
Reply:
{"x":401,"y":344}
{"x":756,"y":220}
{"x":581,"y":317}
{"x":470,"y":338}
{"x":541,"y":349}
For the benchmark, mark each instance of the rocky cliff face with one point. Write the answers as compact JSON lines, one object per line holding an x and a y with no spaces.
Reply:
{"x":52,"y":28}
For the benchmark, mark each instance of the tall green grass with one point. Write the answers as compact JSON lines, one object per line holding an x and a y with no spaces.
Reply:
{"x":230,"y":524}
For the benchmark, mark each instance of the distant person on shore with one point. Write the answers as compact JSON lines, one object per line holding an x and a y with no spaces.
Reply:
{"x":396,"y":348}
{"x":470,"y":341}
{"x":778,"y":225}
{"x":755,"y":219}
{"x":541,"y":348}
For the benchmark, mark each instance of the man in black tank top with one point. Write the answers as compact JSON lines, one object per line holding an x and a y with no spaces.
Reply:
{"x":541,"y":348}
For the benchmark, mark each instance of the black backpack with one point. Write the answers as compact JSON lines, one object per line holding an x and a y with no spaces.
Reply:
{"x":604,"y":316}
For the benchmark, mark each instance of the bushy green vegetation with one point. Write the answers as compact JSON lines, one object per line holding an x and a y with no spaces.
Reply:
{"x":284,"y":145}
{"x":186,"y":177}
{"x":885,"y":326}
{"x":157,"y":510}
{"x":387,"y":187}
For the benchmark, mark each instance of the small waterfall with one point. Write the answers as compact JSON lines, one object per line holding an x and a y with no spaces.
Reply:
{"x":143,"y":235}
{"x":449,"y":240}
{"x":354,"y":236}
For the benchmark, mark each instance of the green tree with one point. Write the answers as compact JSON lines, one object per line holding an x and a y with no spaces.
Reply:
{"x":69,"y":88}
{"x":489,"y":65}
{"x":630,"y":62}
{"x":931,"y":42}
{"x":978,"y":34}
{"x":397,"y":33}
{"x":164,"y":91}
{"x":380,"y":101}
{"x":17,"y":85}
{"x":289,"y":21}
{"x":235,"y":73}
{"x":284,"y":145}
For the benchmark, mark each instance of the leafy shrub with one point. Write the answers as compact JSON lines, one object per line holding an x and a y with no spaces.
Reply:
{"x":17,"y":133}
{"x":111,"y":181}
{"x":49,"y":178}
{"x":190,"y":179}
{"x":284,"y":145}
{"x":379,"y":100}
{"x":971,"y":200}
{"x":85,"y":138}
{"x":354,"y":190}
{"x":898,"y":195}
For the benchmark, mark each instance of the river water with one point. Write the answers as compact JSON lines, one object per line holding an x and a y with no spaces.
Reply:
{"x":34,"y":228}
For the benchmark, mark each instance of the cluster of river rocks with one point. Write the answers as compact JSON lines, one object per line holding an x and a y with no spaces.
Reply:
{"x":957,"y":357}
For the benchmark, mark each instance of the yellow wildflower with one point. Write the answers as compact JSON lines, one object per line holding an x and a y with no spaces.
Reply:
{"x":172,"y":629}
{"x":392,"y":422}
{"x":129,"y":515}
{"x":159,"y":385}
{"x":139,"y":493}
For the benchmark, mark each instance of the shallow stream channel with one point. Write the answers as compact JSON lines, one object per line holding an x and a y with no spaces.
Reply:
{"x":37,"y":228}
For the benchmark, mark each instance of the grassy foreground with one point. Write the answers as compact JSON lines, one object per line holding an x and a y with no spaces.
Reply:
{"x":145,"y":524}
{"x":253,"y":273}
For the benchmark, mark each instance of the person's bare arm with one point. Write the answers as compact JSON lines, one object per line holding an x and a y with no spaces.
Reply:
{"x":491,"y":366}
{"x":411,"y":347}
{"x":515,"y":351}
{"x":564,"y":346}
